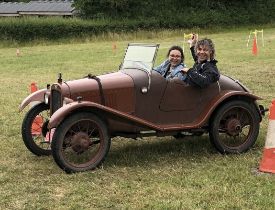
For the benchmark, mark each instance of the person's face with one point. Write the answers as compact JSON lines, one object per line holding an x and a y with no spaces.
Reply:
{"x":203,"y":53}
{"x":174,"y":57}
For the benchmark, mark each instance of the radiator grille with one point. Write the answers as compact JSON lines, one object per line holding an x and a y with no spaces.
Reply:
{"x":56,"y":100}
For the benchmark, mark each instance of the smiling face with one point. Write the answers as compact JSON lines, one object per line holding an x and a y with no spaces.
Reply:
{"x":175,"y":57}
{"x":205,"y":50}
{"x":203,"y":53}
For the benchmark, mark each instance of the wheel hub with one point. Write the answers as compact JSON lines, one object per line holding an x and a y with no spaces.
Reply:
{"x":233,"y":127}
{"x":80,"y":142}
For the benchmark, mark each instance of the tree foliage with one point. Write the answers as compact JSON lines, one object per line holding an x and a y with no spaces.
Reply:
{"x":14,"y":1}
{"x":216,"y":12}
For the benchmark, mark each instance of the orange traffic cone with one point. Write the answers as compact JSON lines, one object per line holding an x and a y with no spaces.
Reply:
{"x":254,"y":46}
{"x":114,"y":47}
{"x":268,"y":161}
{"x":33,"y":87}
{"x":49,"y":135}
{"x":38,"y":120}
{"x":37,"y":125}
{"x":17,"y":52}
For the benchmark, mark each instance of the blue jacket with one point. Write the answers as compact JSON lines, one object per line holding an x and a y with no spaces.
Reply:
{"x":175,"y":71}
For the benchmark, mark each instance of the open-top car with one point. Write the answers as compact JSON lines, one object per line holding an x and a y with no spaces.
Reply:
{"x":136,"y":101}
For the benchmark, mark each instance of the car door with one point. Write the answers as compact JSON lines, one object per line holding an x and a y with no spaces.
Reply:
{"x":186,"y":103}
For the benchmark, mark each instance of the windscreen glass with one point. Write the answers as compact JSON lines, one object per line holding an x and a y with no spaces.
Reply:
{"x":140,"y":56}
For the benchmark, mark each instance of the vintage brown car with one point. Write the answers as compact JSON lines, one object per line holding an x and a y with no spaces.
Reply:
{"x":136,"y":101}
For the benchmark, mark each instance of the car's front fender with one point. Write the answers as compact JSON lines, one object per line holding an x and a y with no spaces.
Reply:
{"x":35,"y":96}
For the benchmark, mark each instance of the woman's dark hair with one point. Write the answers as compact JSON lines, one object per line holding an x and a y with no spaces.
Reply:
{"x":175,"y":47}
{"x":209,"y":44}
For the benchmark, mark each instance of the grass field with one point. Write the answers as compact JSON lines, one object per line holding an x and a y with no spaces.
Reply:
{"x":153,"y":173}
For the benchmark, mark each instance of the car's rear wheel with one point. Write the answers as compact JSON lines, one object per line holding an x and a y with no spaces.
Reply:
{"x":80,"y":143}
{"x":34,"y":130}
{"x":234,"y":127}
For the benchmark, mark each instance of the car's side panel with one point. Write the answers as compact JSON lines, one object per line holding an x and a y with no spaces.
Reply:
{"x":169,"y":101}
{"x":98,"y":109}
{"x":176,"y":97}
{"x":124,"y":122}
{"x":174,"y":102}
{"x":147,"y":104}
{"x":119,"y":118}
{"x":118,"y":91}
{"x":187,"y":101}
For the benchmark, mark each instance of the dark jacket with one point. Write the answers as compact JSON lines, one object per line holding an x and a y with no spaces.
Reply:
{"x":202,"y":74}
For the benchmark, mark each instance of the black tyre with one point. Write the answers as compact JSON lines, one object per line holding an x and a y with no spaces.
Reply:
{"x":80,"y":143}
{"x":234,"y":127}
{"x":34,"y":130}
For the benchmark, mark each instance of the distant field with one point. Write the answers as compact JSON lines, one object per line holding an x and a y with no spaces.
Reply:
{"x":153,"y":173}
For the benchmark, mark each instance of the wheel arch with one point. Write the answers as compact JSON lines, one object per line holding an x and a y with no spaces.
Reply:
{"x":100,"y":113}
{"x":250,"y":98}
{"x":35,"y":96}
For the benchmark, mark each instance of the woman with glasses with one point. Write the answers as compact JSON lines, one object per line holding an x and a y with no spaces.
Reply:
{"x":173,"y":65}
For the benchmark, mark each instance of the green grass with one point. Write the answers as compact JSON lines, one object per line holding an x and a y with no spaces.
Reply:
{"x":153,"y":173}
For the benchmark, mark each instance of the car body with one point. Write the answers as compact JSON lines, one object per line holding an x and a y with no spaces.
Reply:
{"x":136,"y":101}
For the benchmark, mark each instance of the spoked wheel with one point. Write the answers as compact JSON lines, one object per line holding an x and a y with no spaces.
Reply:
{"x":235,"y":127}
{"x":34,"y":130}
{"x":80,"y":143}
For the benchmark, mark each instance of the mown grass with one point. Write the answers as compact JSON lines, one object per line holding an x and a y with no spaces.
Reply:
{"x":153,"y":173}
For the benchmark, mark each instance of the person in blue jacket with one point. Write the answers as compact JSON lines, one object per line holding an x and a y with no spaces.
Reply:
{"x":173,"y":65}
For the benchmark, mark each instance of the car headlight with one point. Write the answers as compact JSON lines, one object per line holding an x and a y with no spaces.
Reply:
{"x":46,"y":98}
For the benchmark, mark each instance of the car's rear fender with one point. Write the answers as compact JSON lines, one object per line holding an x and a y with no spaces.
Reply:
{"x":232,"y":95}
{"x":35,"y":96}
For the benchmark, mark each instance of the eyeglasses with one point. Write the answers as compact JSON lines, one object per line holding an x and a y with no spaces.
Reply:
{"x":174,"y":56}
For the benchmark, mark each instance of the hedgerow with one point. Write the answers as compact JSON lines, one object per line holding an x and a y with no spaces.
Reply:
{"x":27,"y":29}
{"x":131,"y":15}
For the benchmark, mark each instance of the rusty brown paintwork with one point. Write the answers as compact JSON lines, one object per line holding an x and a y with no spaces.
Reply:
{"x":162,"y":108}
{"x":137,"y":102}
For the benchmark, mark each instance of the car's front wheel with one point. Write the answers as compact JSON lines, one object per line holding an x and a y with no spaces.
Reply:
{"x":80,"y":143}
{"x":34,"y":130}
{"x":234,"y":127}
